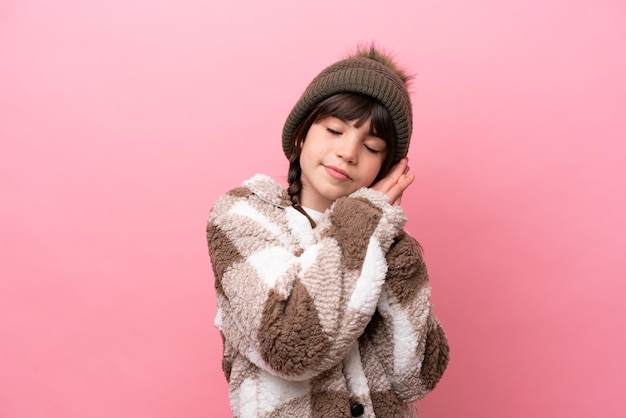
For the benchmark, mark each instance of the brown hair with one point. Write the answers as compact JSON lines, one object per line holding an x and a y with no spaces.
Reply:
{"x":347,"y":107}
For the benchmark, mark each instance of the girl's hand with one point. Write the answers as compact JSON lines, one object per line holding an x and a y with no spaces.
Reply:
{"x":396,"y":182}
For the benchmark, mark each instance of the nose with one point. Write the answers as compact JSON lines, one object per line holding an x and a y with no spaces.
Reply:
{"x":347,"y":150}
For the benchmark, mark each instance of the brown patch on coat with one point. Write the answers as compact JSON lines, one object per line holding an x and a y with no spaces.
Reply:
{"x":372,"y":326}
{"x":406,"y":270}
{"x":436,"y":357}
{"x":353,"y":223}
{"x":330,"y":404}
{"x":227,"y":358}
{"x":387,"y":404}
{"x":377,"y":333}
{"x":291,"y":338}
{"x":219,"y":243}
{"x":239,"y":192}
{"x":227,"y":367}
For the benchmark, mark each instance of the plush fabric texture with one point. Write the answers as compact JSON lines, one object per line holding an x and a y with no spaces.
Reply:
{"x":317,"y":320}
{"x":357,"y":75}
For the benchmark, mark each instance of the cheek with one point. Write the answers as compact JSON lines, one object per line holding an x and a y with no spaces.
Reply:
{"x":373,"y":168}
{"x":310,"y":149}
{"x":304,"y":155}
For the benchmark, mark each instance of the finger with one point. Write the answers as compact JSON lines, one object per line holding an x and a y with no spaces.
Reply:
{"x":387,"y":182}
{"x":395,"y":193}
{"x":403,"y":183}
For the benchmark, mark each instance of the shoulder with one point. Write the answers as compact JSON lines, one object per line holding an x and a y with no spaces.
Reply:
{"x":267,"y":189}
{"x":248,"y":216}
{"x":258,"y":192}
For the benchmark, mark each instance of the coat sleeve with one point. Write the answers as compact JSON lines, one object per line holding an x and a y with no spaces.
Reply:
{"x":293,"y":312}
{"x":404,"y":332}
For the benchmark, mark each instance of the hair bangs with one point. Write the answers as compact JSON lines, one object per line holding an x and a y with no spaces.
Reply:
{"x":358,"y":108}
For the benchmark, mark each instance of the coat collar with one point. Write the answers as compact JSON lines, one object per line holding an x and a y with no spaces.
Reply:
{"x":266,"y":189}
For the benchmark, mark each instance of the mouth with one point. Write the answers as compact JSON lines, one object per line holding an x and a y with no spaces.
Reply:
{"x":337,"y":172}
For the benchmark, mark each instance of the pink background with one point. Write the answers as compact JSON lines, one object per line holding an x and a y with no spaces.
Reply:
{"x":122,"y":121}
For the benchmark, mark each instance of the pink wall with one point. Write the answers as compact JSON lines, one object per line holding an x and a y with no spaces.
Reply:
{"x":122,"y":121}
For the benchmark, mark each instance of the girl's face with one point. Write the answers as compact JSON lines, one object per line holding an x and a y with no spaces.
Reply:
{"x":338,"y":158}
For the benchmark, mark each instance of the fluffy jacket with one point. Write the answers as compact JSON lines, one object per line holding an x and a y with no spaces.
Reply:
{"x":331,"y":321}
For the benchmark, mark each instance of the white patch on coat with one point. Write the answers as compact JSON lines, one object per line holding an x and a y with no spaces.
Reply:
{"x":405,"y":340}
{"x":218,"y":318}
{"x":277,"y":391}
{"x":355,"y":376}
{"x":271,"y":265}
{"x":367,"y":289}
{"x":309,"y":257}
{"x":301,"y":227}
{"x":243,"y":400}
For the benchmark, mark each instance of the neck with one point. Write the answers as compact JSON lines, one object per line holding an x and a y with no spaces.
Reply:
{"x":300,"y":209}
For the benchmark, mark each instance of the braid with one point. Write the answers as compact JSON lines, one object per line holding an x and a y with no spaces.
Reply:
{"x":295,"y":183}
{"x":293,"y":178}
{"x":295,"y":171}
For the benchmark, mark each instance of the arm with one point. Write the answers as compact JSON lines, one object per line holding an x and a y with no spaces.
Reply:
{"x":407,"y":337}
{"x":293,"y":312}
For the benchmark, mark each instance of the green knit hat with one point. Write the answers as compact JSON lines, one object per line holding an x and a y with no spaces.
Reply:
{"x":361,"y":75}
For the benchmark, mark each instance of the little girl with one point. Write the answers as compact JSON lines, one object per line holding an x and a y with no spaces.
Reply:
{"x":322,"y":298}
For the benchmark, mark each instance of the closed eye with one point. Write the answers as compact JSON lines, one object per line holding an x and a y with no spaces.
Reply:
{"x":372,"y":150}
{"x":332,"y":131}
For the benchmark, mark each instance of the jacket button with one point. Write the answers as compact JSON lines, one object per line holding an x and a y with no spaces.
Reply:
{"x":357,"y":410}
